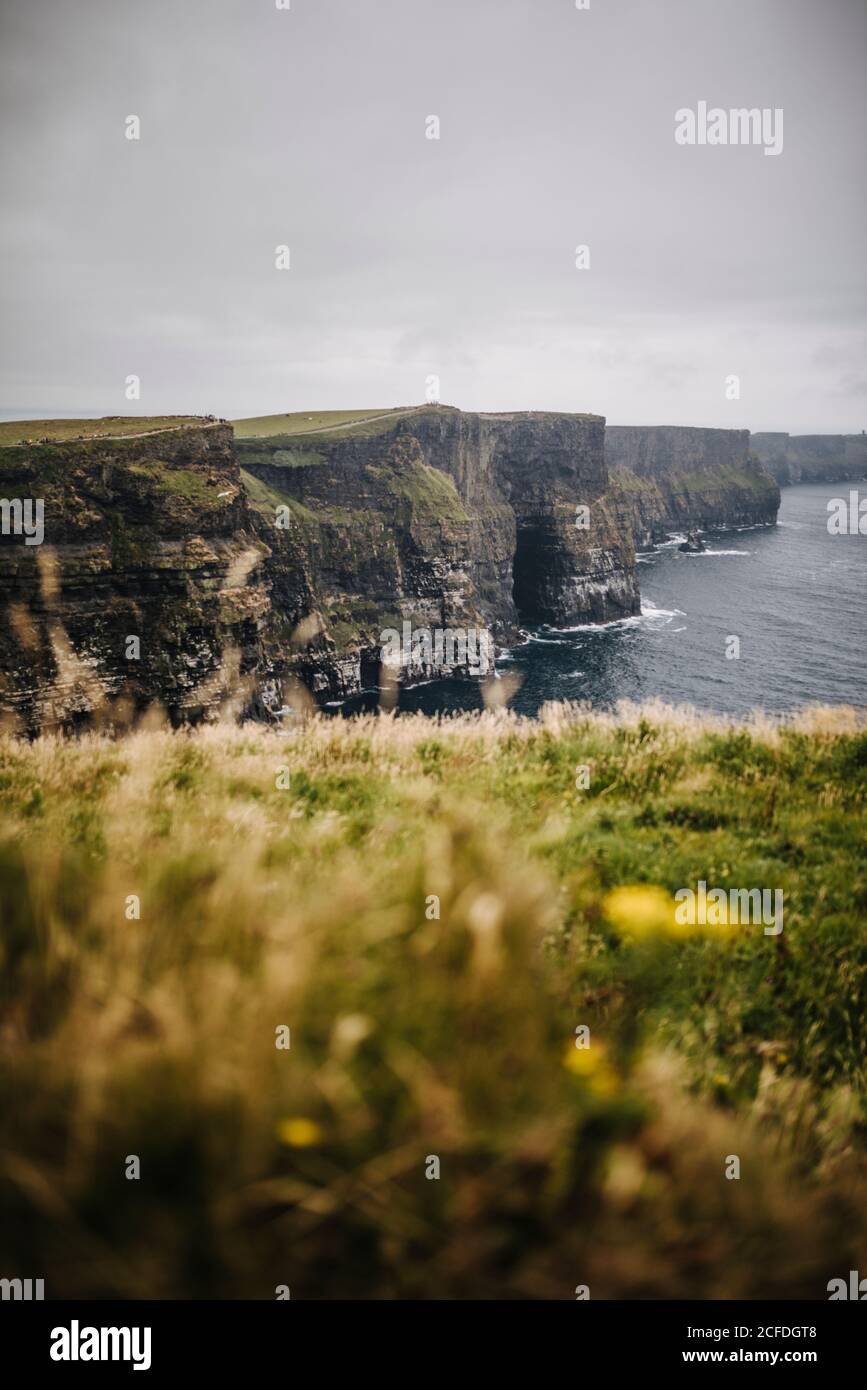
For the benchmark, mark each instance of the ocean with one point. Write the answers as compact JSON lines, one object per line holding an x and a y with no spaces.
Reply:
{"x":793,"y":595}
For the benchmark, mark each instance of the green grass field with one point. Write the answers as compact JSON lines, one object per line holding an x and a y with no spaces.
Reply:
{"x":329,"y":422}
{"x":336,"y":424}
{"x":432,"y":909}
{"x":16,"y":431}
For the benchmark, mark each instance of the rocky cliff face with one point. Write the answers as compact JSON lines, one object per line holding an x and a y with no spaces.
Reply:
{"x":812,"y":458}
{"x":675,"y":478}
{"x":442,"y":519}
{"x":147,"y":579}
{"x":168,"y":573}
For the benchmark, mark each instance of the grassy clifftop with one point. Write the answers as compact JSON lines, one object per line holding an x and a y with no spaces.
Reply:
{"x":106,"y":427}
{"x":432,"y":910}
{"x":330,"y":423}
{"x":367,"y":423}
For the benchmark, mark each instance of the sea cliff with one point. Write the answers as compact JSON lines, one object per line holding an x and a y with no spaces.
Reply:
{"x":184,"y":566}
{"x":441,"y":518}
{"x":667,"y":478}
{"x":812,"y":458}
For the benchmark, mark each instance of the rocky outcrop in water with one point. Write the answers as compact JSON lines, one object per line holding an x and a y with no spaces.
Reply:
{"x":693,"y":545}
{"x":670,"y":478}
{"x":812,"y":458}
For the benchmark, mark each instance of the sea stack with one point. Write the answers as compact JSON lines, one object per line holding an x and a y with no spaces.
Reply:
{"x":693,"y":544}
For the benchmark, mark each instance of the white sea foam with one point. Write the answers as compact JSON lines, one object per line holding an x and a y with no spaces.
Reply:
{"x":365,"y":690}
{"x":650,"y":610}
{"x":649,"y":613}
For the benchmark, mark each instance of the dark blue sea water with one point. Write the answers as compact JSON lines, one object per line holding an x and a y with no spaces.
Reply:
{"x":794,"y":595}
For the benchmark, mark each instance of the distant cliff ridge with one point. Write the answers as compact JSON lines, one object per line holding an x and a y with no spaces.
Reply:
{"x":668,"y":478}
{"x":812,"y":458}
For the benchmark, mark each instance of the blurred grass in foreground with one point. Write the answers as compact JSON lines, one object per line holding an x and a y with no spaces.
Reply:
{"x":412,"y":1036}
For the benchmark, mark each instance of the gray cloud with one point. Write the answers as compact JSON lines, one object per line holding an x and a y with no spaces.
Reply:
{"x":411,"y":256}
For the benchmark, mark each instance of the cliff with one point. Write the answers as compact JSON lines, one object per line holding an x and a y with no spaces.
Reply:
{"x":439,"y":518}
{"x":812,"y":458}
{"x":145,"y":581}
{"x":668,"y":478}
{"x":170,"y":574}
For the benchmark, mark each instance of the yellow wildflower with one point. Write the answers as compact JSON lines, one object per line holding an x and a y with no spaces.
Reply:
{"x":640,"y":910}
{"x":299,"y":1132}
{"x":592,"y":1065}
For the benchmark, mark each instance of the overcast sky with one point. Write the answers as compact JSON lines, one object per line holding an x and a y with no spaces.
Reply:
{"x":412,"y":257}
